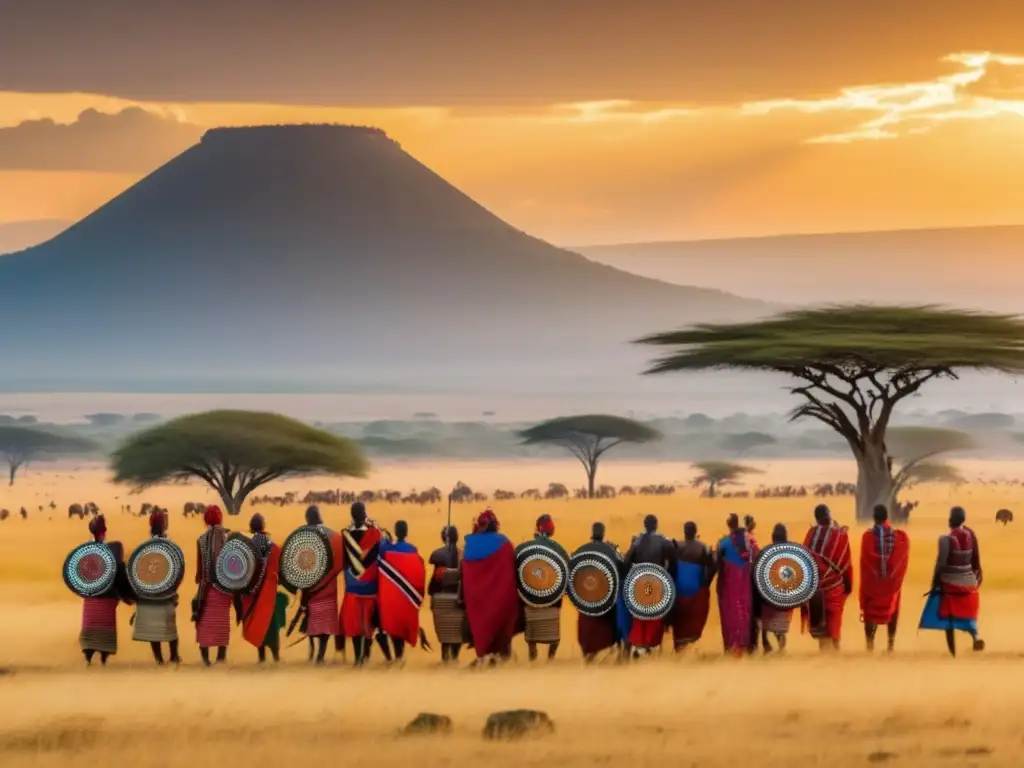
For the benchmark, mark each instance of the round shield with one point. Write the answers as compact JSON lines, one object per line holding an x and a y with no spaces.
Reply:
{"x":649,"y":592}
{"x":541,"y":572}
{"x":238,"y":565}
{"x":593,"y":582}
{"x":90,"y":569}
{"x":786,"y":575}
{"x":156,"y":568}
{"x":306,"y":558}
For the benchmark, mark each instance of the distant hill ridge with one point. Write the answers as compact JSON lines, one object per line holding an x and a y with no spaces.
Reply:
{"x":968,"y":266}
{"x":326,"y":253}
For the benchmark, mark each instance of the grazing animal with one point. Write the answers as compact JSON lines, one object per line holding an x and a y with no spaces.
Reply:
{"x":4,"y":514}
{"x":76,"y":510}
{"x":1004,"y":516}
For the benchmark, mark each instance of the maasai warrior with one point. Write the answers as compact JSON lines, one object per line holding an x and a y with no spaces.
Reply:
{"x":596,"y":633}
{"x":649,"y":547}
{"x":361,"y":546}
{"x":543,"y":625}
{"x":736,"y":556}
{"x":489,"y":589}
{"x":321,"y":602}
{"x":212,"y":608}
{"x":450,"y":623}
{"x":99,"y":614}
{"x":830,"y":545}
{"x":884,"y":556}
{"x":156,"y":620}
{"x":953,"y":602}
{"x":402,"y":581}
{"x":695,"y":570}
{"x":264,"y":611}
{"x":775,"y":620}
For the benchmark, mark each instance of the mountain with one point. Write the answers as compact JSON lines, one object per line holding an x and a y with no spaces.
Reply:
{"x":319,"y":257}
{"x":18,"y":235}
{"x":968,"y":267}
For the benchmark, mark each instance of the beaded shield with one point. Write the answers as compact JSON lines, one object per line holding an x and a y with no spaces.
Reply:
{"x":542,"y":571}
{"x":649,"y":592}
{"x":238,"y":566}
{"x":593,"y":582}
{"x":90,"y":569}
{"x":306,"y":558}
{"x":786,"y":575}
{"x":156,"y":568}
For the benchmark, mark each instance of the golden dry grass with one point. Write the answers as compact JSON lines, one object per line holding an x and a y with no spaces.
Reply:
{"x":917,"y":707}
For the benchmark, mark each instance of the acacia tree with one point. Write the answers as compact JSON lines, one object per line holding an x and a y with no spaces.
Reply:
{"x":21,"y":445}
{"x":589,"y":437}
{"x":853,"y":365}
{"x":234,"y":452}
{"x":714,"y":474}
{"x":912,"y":447}
{"x":744,"y":442}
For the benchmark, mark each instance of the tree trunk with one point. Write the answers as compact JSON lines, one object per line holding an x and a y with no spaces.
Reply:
{"x":591,"y":475}
{"x":874,"y":480}
{"x":712,"y":489}
{"x":232,"y":506}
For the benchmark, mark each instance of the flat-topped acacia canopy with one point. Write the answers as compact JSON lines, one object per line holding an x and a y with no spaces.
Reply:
{"x":852,"y":365}
{"x":234,"y":452}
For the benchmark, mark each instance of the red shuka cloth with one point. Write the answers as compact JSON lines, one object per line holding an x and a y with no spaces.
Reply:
{"x":960,"y":601}
{"x":646,"y":633}
{"x":493,"y":607}
{"x":214,"y":627}
{"x":884,"y":556}
{"x":595,"y":633}
{"x":830,"y":546}
{"x":691,"y":616}
{"x":402,"y":581}
{"x":100,"y":613}
{"x":322,"y":605}
{"x":258,"y":609}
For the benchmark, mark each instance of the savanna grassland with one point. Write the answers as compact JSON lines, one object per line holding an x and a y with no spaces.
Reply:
{"x":917,"y":707}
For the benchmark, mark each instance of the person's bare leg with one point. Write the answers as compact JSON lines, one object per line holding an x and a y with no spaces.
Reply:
{"x":893,"y":626}
{"x":532,"y":647}
{"x":869,"y":635}
{"x":764,"y":641}
{"x":552,"y":651}
{"x":951,"y":641}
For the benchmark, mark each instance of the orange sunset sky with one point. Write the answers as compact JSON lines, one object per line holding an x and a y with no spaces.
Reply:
{"x":579,"y":122}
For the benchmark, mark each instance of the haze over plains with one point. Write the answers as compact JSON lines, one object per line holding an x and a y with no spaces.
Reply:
{"x":688,"y":124}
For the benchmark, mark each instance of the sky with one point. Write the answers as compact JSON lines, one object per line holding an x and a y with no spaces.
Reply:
{"x":579,"y":121}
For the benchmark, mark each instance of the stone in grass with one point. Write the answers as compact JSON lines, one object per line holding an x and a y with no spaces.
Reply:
{"x":517,"y":723}
{"x":427,"y":723}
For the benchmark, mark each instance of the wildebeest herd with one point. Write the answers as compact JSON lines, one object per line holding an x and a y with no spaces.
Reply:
{"x":462,"y":493}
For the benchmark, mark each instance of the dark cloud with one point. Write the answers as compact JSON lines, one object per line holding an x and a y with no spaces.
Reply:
{"x":451,"y":52}
{"x":130,"y":141}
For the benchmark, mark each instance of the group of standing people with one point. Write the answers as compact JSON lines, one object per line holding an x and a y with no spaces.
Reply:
{"x":262,"y":614}
{"x":748,"y":621}
{"x":474,"y":598}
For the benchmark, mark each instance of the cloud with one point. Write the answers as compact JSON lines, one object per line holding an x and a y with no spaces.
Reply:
{"x":133,"y":140}
{"x":984,"y":85}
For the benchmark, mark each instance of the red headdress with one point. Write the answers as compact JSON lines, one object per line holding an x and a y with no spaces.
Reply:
{"x":545,"y":525}
{"x":98,"y":527}
{"x":213,"y":515}
{"x":486,"y":520}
